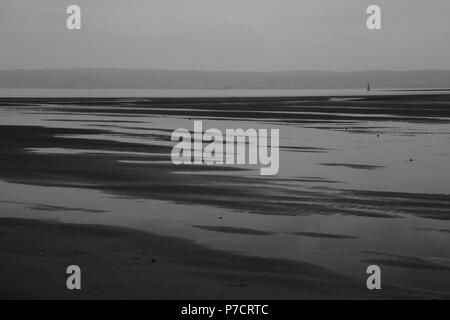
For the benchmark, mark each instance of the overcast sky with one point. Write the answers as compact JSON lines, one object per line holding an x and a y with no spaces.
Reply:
{"x":226,"y":34}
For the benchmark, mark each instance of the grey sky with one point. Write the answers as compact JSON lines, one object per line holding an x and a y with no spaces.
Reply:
{"x":226,"y":35}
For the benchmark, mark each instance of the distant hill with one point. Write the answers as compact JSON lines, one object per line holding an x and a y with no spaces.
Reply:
{"x":165,"y":79}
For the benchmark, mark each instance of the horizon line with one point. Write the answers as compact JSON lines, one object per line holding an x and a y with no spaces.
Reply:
{"x":224,"y":71}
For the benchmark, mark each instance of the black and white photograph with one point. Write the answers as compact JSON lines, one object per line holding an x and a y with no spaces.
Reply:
{"x":209,"y":151}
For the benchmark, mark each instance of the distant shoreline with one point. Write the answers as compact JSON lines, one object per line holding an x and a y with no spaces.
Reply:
{"x":39,"y":93}
{"x":414,"y":90}
{"x":221,"y":80}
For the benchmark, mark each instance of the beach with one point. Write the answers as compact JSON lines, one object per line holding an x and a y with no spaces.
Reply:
{"x":125,"y":264}
{"x":363,"y":180}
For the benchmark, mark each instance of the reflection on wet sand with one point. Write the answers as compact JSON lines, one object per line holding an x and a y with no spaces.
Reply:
{"x":361,"y":170}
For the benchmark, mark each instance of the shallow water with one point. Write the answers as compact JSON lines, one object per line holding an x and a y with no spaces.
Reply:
{"x":369,"y":170}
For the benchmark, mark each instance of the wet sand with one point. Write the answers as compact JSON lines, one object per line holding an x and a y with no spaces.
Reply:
{"x":119,"y":166}
{"x":147,"y":178}
{"x":126,"y":264}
